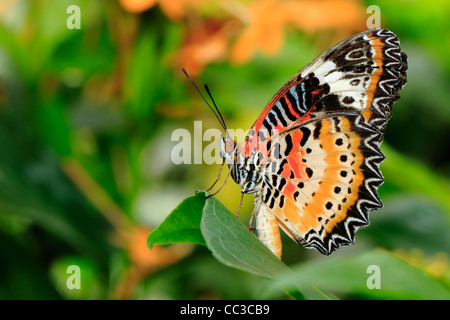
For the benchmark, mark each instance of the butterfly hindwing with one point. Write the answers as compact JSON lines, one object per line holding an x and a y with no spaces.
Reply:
{"x":322,"y":189}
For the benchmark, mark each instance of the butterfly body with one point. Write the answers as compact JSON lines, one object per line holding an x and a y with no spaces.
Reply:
{"x":312,"y":158}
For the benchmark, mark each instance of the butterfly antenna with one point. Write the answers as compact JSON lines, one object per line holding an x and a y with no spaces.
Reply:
{"x":217,"y":109}
{"x":220,"y":119}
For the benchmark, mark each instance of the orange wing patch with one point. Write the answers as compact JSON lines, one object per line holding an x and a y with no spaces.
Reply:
{"x":315,"y":205}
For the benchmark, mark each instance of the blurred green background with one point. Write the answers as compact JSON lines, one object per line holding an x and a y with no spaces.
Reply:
{"x":86,"y":117}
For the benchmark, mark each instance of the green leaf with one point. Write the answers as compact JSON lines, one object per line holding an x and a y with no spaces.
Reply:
{"x":182,"y":225}
{"x":234,"y":245}
{"x":208,"y":222}
{"x":349,"y":275}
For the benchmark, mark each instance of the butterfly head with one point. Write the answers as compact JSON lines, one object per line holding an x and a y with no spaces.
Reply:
{"x":228,"y":150}
{"x":241,"y":168}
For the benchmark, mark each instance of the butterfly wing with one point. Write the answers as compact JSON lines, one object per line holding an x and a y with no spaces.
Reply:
{"x":361,"y":74}
{"x":319,"y":140}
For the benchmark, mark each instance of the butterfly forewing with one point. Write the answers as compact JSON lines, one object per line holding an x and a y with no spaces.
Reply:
{"x":318,"y":141}
{"x":361,"y":74}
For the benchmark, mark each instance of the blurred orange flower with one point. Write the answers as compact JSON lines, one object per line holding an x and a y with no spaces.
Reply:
{"x":236,"y":30}
{"x":137,"y":6}
{"x":205,"y":44}
{"x":174,"y":9}
{"x":264,"y":31}
{"x":268,"y":20}
{"x":145,"y":261}
{"x":148,"y":260}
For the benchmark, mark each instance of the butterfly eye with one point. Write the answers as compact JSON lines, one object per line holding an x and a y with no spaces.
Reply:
{"x":243,"y":174}
{"x":229,"y":145}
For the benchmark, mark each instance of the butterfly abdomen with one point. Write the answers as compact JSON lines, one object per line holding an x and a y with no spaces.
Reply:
{"x":268,"y":231}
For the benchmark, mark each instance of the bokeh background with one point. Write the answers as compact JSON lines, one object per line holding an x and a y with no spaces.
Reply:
{"x":86,"y":117}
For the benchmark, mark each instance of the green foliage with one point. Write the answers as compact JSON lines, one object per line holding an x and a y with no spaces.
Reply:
{"x":182,"y":225}
{"x":408,"y":175}
{"x":350,"y":275}
{"x":89,"y":278}
{"x":208,"y":222}
{"x":235,"y":246}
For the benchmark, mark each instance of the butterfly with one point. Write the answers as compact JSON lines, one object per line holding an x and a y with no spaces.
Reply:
{"x":312,"y":158}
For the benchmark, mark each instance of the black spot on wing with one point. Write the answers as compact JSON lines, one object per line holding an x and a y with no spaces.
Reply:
{"x":306,"y":133}
{"x":317,"y":130}
{"x":289,"y":145}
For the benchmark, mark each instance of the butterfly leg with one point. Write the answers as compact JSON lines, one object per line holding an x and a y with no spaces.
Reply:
{"x":240,"y":204}
{"x":251,"y":219}
{"x":220,"y":188}
{"x":217,"y":179}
